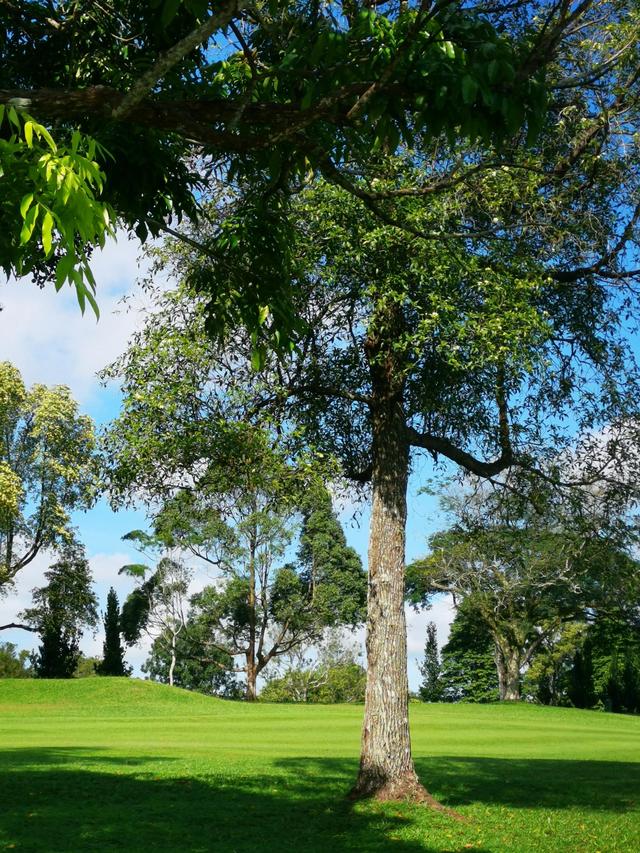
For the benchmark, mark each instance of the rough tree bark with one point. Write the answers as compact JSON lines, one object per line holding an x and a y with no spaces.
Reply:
{"x":508,"y":665}
{"x":386,"y":766}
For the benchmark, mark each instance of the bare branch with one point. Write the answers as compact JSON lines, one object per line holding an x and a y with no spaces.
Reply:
{"x":19,"y":625}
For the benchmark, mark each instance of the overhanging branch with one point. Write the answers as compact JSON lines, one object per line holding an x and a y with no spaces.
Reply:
{"x":172,"y":57}
{"x":479,"y":467}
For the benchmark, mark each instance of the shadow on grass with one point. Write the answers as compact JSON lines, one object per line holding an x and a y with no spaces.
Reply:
{"x":61,"y":801}
{"x":533,"y":783}
{"x":67,"y":800}
{"x":516,"y":783}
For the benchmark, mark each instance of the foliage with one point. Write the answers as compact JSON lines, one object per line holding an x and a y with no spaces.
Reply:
{"x":55,"y":189}
{"x":264,"y":606}
{"x":580,"y":688}
{"x":344,"y":682}
{"x":431,"y":688}
{"x":468,"y":668}
{"x":234,"y":494}
{"x":556,"y":673}
{"x":47,"y":469}
{"x":595,"y":665}
{"x":334,"y":675}
{"x":112,"y":662}
{"x":265,"y":94}
{"x":197,"y":667}
{"x":525,"y":572}
{"x":14,"y":663}
{"x":86,"y":667}
{"x":609,"y":666}
{"x":158,"y":604}
{"x":60,"y":613}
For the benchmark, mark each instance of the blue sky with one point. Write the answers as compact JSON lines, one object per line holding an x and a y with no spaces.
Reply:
{"x":44,"y":334}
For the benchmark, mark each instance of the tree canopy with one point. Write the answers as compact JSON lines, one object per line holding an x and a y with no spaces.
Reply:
{"x":126,"y":111}
{"x":523,"y":575}
{"x":47,"y":469}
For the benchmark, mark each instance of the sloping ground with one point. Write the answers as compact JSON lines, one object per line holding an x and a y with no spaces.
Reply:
{"x":97,"y":696}
{"x":119,"y":764}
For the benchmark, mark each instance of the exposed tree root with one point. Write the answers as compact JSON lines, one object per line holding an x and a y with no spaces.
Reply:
{"x":406,"y":788}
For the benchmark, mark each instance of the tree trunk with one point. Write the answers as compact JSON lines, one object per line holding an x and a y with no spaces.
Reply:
{"x":508,"y":665}
{"x":172,"y":665}
{"x":252,"y":673}
{"x":250,"y":693}
{"x":386,"y":766}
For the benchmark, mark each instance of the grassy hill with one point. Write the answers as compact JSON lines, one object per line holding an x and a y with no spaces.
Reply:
{"x":119,"y":764}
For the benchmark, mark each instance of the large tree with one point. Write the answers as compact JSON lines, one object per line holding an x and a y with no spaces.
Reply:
{"x":461,"y":314}
{"x":525,"y":572}
{"x":408,"y":345}
{"x":177,"y":93}
{"x":234,"y":497}
{"x":47,"y":469}
{"x":60,"y":613}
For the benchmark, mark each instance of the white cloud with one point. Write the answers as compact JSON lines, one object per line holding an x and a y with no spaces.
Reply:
{"x":44,"y":334}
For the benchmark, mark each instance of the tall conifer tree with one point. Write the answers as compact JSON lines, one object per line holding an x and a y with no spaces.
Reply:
{"x":431,"y":687}
{"x":112,"y":650}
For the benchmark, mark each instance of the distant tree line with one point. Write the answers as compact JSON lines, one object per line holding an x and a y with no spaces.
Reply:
{"x":546,"y":601}
{"x":586,"y":666}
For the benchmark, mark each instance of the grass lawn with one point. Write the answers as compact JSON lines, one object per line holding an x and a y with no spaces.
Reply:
{"x":113,"y":764}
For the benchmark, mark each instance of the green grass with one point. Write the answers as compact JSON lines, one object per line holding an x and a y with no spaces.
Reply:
{"x":113,"y":764}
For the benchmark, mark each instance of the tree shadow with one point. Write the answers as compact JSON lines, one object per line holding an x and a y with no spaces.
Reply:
{"x":533,"y":782}
{"x":64,"y":800}
{"x":513,"y":782}
{"x":55,"y":800}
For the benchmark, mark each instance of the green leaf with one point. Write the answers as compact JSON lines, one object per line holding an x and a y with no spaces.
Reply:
{"x":28,"y":133}
{"x":258,"y":357}
{"x":469,"y":89}
{"x":63,"y":270}
{"x":47,"y":228}
{"x":29,"y":224}
{"x":12,"y":115}
{"x":80,"y":293}
{"x":25,"y":204}
{"x":92,"y":301}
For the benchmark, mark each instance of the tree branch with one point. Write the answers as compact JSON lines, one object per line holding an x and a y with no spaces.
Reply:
{"x":597,"y":267}
{"x":479,"y":467}
{"x":171,"y":57}
{"x":18,"y":625}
